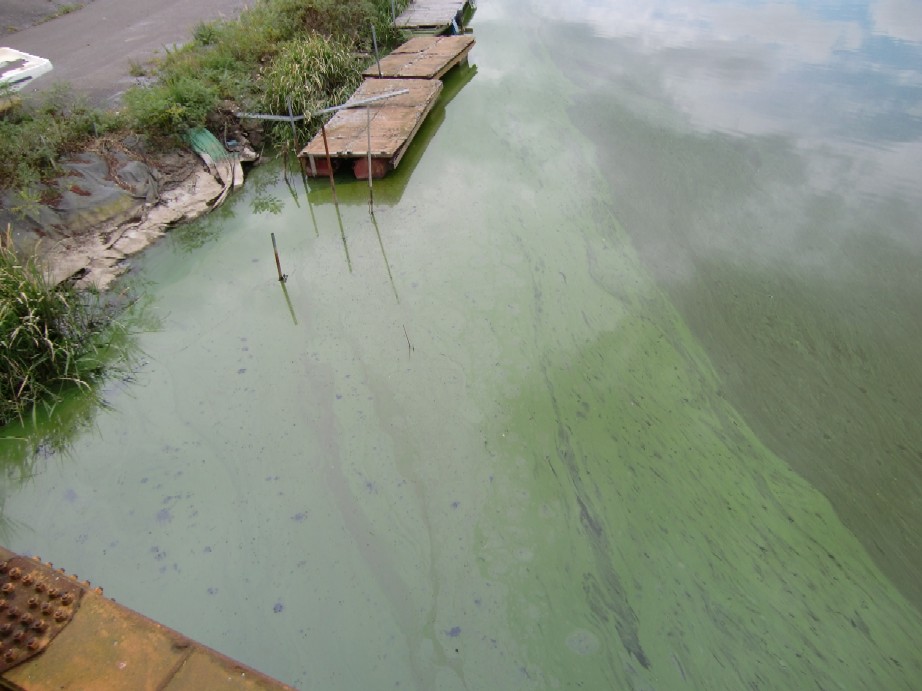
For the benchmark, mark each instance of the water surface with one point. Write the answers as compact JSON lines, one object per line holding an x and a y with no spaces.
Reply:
{"x":616,"y":389}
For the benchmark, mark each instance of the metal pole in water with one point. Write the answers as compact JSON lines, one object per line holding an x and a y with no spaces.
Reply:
{"x":371,"y":194}
{"x":326,"y":148}
{"x":278,"y":264}
{"x":374,"y":40}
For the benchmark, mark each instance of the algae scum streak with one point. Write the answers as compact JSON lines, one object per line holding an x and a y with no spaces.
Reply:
{"x":616,"y":388}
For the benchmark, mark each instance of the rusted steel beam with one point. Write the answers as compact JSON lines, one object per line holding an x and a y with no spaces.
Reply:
{"x":91,"y":642}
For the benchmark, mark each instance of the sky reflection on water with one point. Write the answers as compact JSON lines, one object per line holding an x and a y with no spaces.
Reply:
{"x":846,"y":78}
{"x":765,"y":158}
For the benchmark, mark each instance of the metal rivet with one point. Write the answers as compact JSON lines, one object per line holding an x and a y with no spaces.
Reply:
{"x":40,"y":625}
{"x":33,"y":602}
{"x":26,"y":619}
{"x":4,"y":567}
{"x":13,"y":613}
{"x":15,"y":573}
{"x":10,"y":655}
{"x":34,"y":644}
{"x":53,"y":593}
{"x":19,"y":635}
{"x":6,"y":629}
{"x":7,"y":588}
{"x":40,"y":587}
{"x":46,"y":607}
{"x":28,"y":579}
{"x":3,"y":605}
{"x":67,"y":598}
{"x":60,"y":615}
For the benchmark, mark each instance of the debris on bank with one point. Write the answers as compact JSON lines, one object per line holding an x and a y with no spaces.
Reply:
{"x":110,"y":203}
{"x":18,"y":69}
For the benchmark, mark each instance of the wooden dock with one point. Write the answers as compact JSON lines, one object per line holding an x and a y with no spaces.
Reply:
{"x":394,"y":122}
{"x":423,"y":57}
{"x":386,"y":127}
{"x":431,"y":16}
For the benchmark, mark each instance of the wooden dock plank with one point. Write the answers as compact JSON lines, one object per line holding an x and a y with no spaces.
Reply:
{"x":423,"y":57}
{"x":430,"y":14}
{"x":394,"y":121}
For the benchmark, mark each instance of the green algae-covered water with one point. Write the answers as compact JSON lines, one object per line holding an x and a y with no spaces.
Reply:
{"x":616,"y":389}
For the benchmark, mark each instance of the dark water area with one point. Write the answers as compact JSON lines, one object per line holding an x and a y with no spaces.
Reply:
{"x":616,"y":389}
{"x":783,"y":220}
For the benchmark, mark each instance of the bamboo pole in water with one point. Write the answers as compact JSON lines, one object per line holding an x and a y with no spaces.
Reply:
{"x":278,"y":264}
{"x":371,"y":195}
{"x":326,"y":148}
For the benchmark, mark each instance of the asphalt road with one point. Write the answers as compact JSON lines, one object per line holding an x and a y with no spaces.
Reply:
{"x":94,"y":47}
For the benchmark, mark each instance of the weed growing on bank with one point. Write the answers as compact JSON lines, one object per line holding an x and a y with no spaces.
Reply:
{"x":51,"y":337}
{"x":35,"y":132}
{"x":312,"y":51}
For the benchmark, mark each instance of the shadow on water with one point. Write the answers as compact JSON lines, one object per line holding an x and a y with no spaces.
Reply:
{"x":49,"y":433}
{"x":192,"y":236}
{"x":291,"y":308}
{"x":387,"y":264}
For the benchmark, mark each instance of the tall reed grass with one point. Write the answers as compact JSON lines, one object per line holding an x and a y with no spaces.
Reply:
{"x":51,"y":337}
{"x":315,"y":72}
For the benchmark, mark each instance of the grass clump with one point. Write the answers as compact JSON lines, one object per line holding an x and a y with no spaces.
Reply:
{"x":315,"y":72}
{"x":51,"y":338}
{"x":310,"y":50}
{"x":172,"y":105}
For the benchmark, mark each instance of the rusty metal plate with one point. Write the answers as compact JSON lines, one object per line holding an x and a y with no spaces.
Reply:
{"x":36,"y":603}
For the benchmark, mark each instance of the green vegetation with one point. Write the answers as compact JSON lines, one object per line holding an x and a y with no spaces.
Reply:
{"x":308,"y":51}
{"x":51,"y":337}
{"x":311,"y":50}
{"x":314,"y":72}
{"x":35,"y":132}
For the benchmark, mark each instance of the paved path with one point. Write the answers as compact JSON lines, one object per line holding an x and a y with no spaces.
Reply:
{"x":94,"y":47}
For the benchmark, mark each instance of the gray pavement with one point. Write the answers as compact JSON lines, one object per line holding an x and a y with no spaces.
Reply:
{"x":94,"y":47}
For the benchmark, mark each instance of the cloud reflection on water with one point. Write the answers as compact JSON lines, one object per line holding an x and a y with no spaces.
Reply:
{"x":841,"y":82}
{"x":718,"y":59}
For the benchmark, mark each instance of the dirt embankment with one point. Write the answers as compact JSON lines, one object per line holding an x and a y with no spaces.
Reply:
{"x":116,"y":198}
